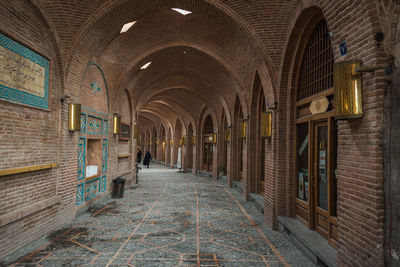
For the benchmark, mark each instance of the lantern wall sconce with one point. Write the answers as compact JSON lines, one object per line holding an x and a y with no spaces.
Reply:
{"x":74,"y":117}
{"x":171,"y":142}
{"x":266,"y":124}
{"x":193,"y":139}
{"x":136,"y":132}
{"x":117,"y":124}
{"x":182,"y":141}
{"x":157,"y":142}
{"x":228,"y":135}
{"x":214,"y":137}
{"x":242,"y":130}
{"x":348,"y":94}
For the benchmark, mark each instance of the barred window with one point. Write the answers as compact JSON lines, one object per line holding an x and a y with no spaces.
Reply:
{"x":316,"y":73}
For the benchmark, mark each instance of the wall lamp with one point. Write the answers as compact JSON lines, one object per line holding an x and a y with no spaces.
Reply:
{"x":117,"y":124}
{"x":348,"y":93}
{"x":74,"y":117}
{"x":266,"y":124}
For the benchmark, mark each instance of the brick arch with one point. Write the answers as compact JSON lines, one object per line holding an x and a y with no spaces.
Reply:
{"x":284,"y":122}
{"x":161,"y":116}
{"x":208,"y":51}
{"x":191,"y":80}
{"x":175,"y":105}
{"x":56,"y":41}
{"x":237,"y":23}
{"x":187,"y":89}
{"x":254,"y":138}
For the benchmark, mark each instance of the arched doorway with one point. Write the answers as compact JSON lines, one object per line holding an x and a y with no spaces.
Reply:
{"x":261,"y":108}
{"x":208,"y":144}
{"x":163,"y":143}
{"x":153,"y":144}
{"x":240,"y":142}
{"x":225,"y":138}
{"x":189,"y":147}
{"x":315,"y":134}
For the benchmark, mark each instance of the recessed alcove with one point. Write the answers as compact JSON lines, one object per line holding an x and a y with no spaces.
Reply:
{"x":94,"y":156}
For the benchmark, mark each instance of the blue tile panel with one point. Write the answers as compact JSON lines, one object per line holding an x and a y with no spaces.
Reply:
{"x":104,"y":156}
{"x":92,"y":188}
{"x":13,"y":94}
{"x":103,"y":183}
{"x":79,"y":193}
{"x":105,"y":127}
{"x":83,"y":122}
{"x":81,"y":158}
{"x":94,"y":125}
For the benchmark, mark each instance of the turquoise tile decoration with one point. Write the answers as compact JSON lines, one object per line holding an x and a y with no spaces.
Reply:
{"x":24,"y":65}
{"x":92,"y":188}
{"x":105,"y":127}
{"x":94,"y":125}
{"x":104,"y":156}
{"x":79,"y":193}
{"x":81,"y":157}
{"x":95,"y":88}
{"x":83,"y":122}
{"x":103,"y":185}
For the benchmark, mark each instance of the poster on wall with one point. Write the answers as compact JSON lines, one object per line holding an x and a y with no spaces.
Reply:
{"x":125,"y":132}
{"x":24,"y":74}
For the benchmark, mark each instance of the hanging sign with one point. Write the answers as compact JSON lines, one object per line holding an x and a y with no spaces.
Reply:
{"x":343,"y":48}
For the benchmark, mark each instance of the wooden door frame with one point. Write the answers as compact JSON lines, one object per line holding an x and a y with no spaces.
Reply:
{"x":311,"y":205}
{"x":315,"y":182}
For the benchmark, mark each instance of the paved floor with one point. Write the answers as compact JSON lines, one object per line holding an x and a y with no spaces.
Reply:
{"x":170,"y":219}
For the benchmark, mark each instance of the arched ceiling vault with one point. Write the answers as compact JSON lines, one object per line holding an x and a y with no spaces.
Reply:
{"x":203,"y":59}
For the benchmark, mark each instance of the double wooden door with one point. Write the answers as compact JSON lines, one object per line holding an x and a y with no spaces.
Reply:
{"x":316,"y":202}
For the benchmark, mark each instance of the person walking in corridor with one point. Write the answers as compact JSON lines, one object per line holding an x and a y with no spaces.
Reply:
{"x":139,"y":156}
{"x":147,"y":158}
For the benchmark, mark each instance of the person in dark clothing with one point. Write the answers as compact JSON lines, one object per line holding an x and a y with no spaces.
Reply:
{"x":147,"y":158}
{"x":139,"y":156}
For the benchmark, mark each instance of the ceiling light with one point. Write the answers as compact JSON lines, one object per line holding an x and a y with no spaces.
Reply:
{"x":145,"y":65}
{"x":182,"y":11}
{"x":127,"y":26}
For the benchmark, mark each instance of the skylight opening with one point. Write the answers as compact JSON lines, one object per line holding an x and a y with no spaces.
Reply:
{"x":182,"y":11}
{"x":145,"y":65}
{"x":127,"y":26}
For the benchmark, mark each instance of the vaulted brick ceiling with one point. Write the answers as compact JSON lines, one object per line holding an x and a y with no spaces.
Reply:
{"x":203,"y":59}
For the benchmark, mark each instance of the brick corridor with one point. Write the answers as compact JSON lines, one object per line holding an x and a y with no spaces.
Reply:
{"x":171,"y":219}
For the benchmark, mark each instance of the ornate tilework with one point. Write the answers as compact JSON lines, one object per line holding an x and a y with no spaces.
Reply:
{"x":95,"y":88}
{"x":81,"y":158}
{"x":103,"y":183}
{"x":29,"y":69}
{"x":94,"y":125}
{"x":92,"y":188}
{"x":79,"y":194}
{"x":105,"y":127}
{"x":104,"y":156}
{"x":83,"y":122}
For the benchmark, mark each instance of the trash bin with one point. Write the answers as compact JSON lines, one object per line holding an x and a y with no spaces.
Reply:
{"x":118,"y":187}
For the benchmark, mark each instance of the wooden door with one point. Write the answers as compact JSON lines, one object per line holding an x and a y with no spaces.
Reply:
{"x":208,"y":156}
{"x":262,"y":168}
{"x":321,"y":177}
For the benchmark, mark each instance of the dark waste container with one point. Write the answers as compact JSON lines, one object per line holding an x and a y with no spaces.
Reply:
{"x":118,"y":187}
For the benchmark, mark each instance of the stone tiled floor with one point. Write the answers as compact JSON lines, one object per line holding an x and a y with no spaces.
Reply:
{"x":170,"y":219}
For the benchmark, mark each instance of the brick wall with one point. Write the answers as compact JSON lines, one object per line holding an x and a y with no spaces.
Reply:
{"x":225,"y":43}
{"x":29,"y":136}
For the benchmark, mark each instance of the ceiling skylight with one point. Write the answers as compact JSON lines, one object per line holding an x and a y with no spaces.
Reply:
{"x":127,"y":26}
{"x":182,"y":11}
{"x":145,"y":65}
